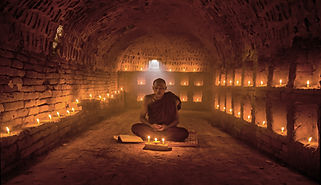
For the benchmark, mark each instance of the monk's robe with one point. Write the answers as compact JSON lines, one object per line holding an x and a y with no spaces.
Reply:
{"x":163,"y":111}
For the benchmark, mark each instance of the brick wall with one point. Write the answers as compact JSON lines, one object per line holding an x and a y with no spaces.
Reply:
{"x":33,"y":86}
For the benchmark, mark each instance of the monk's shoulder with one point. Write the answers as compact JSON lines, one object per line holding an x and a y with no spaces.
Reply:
{"x":149,"y":98}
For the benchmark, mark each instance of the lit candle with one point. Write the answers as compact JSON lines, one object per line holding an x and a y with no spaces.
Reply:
{"x":261,"y":82}
{"x":263,"y":122}
{"x":141,"y":68}
{"x":115,"y":92}
{"x":310,"y":139}
{"x":90,"y":95}
{"x":107,"y":95}
{"x":8,"y":130}
{"x":49,"y":117}
{"x":104,"y":99}
{"x":148,"y":138}
{"x":223,"y":82}
{"x":99,"y":97}
{"x":280,"y":81}
{"x":121,"y":89}
{"x":72,"y":109}
{"x":118,"y":92}
{"x":217,"y":106}
{"x":308,"y":83}
{"x":38,"y":121}
{"x":231,"y":110}
{"x":237,"y":82}
{"x":218,"y":82}
{"x":58,"y":114}
{"x":184,"y":83}
{"x":68,"y":112}
{"x":125,"y":69}
{"x":184,"y":69}
{"x":163,"y":140}
{"x":170,"y":69}
{"x":112,"y":96}
{"x":239,"y":113}
{"x":77,"y":101}
{"x":224,"y":108}
{"x":194,"y":70}
{"x":230,"y":82}
{"x":248,"y":117}
{"x":282,"y":130}
{"x":249,"y":83}
{"x":156,"y":141}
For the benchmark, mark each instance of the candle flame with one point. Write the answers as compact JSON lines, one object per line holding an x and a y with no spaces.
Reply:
{"x":121,"y":89}
{"x":282,"y":129}
{"x":231,"y":110}
{"x":308,"y":83}
{"x":58,"y":114}
{"x":218,"y":106}
{"x":239,"y":113}
{"x":99,"y":97}
{"x":104,"y":99}
{"x":90,"y":95}
{"x":170,"y":69}
{"x":49,"y":116}
{"x":38,"y":121}
{"x":231,"y":82}
{"x":68,"y":112}
{"x":73,"y":110}
{"x":310,"y":139}
{"x":8,"y":130}
{"x":237,"y":82}
{"x":141,"y":68}
{"x":163,"y":140}
{"x":112,"y":96}
{"x":155,"y":139}
{"x":248,"y":117}
{"x":280,"y":81}
{"x":261,"y":82}
{"x":107,"y":94}
{"x":263,"y":123}
{"x":249,"y":83}
{"x":224,"y":108}
{"x":77,"y":101}
{"x":223,"y":81}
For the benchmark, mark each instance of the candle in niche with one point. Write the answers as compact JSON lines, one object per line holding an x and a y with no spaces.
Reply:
{"x":112,"y":96}
{"x":99,"y":97}
{"x":224,"y":108}
{"x":263,"y":122}
{"x":194,"y":70}
{"x":73,"y":109}
{"x":50,"y":118}
{"x":237,"y":82}
{"x":104,"y":99}
{"x":217,"y":106}
{"x":8,"y":130}
{"x":231,"y":82}
{"x":77,"y":101}
{"x":68,"y":112}
{"x":231,"y":110}
{"x":282,"y":130}
{"x":249,"y":83}
{"x":218,"y":83}
{"x":115,"y":92}
{"x":308,"y":83}
{"x":261,"y":83}
{"x":141,"y":68}
{"x":170,"y":70}
{"x":148,"y":138}
{"x":280,"y":81}
{"x":310,"y":139}
{"x":121,"y":89}
{"x":249,"y":117}
{"x":107,"y":95}
{"x":239,"y":113}
{"x":163,"y":140}
{"x":58,"y":114}
{"x":223,"y":82}
{"x":90,"y":96}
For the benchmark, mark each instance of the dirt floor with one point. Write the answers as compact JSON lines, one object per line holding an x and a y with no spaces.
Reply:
{"x":96,"y":158}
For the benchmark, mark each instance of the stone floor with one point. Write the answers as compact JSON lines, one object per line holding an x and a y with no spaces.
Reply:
{"x":96,"y":158}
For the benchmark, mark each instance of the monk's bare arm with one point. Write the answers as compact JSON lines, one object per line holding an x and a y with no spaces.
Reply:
{"x":143,"y":112}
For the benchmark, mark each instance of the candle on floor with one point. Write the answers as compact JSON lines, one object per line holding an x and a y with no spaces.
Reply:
{"x":224,"y":108}
{"x":223,"y":82}
{"x":156,"y":141}
{"x":8,"y":130}
{"x":231,"y":110}
{"x":239,"y":113}
{"x":148,"y":138}
{"x":38,"y":121}
{"x":107,"y":95}
{"x":163,"y":140}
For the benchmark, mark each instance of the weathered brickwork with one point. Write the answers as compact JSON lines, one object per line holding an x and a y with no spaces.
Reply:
{"x":35,"y":87}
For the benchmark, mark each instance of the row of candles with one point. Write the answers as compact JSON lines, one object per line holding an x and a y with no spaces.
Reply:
{"x":155,"y":140}
{"x":249,"y":119}
{"x":69,"y":112}
{"x":249,"y":83}
{"x":196,"y":99}
{"x":171,"y":83}
{"x":169,"y":69}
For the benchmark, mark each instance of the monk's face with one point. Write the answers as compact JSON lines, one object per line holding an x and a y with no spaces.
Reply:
{"x":159,"y":89}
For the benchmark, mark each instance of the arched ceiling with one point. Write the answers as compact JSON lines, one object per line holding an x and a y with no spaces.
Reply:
{"x":101,"y":31}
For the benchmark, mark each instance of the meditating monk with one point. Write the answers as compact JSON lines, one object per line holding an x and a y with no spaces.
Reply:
{"x":159,"y":115}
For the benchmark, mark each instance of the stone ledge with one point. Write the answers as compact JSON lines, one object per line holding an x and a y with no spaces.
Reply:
{"x":35,"y":141}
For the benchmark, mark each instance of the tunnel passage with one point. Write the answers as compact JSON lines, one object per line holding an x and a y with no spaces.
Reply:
{"x":254,"y":64}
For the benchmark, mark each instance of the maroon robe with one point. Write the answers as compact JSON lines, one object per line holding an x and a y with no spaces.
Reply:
{"x":163,"y":111}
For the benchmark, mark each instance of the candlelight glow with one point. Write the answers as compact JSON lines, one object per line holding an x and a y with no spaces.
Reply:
{"x":104,"y":99}
{"x":223,"y":82}
{"x":121,"y":89}
{"x":261,"y":82}
{"x":224,"y":108}
{"x":155,"y":139}
{"x":308,"y":83}
{"x":148,"y":138}
{"x":38,"y":121}
{"x":8,"y":130}
{"x":68,"y":112}
{"x":237,"y":82}
{"x":239,"y":113}
{"x":231,"y":82}
{"x":249,"y":83}
{"x":217,"y":106}
{"x":90,"y":95}
{"x":231,"y":110}
{"x":72,"y":109}
{"x":218,"y":82}
{"x":170,"y":70}
{"x":310,"y":139}
{"x":171,"y":83}
{"x":58,"y":114}
{"x":141,"y":68}
{"x":280,"y":81}
{"x":248,"y":117}
{"x":194,"y":70}
{"x":107,"y":95}
{"x":112,"y":96}
{"x":99,"y":97}
{"x":163,"y":140}
{"x":77,"y":101}
{"x":282,"y":130}
{"x":49,"y":116}
{"x":263,"y":122}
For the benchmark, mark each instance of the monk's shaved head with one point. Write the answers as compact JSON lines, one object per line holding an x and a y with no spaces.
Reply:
{"x":159,"y":81}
